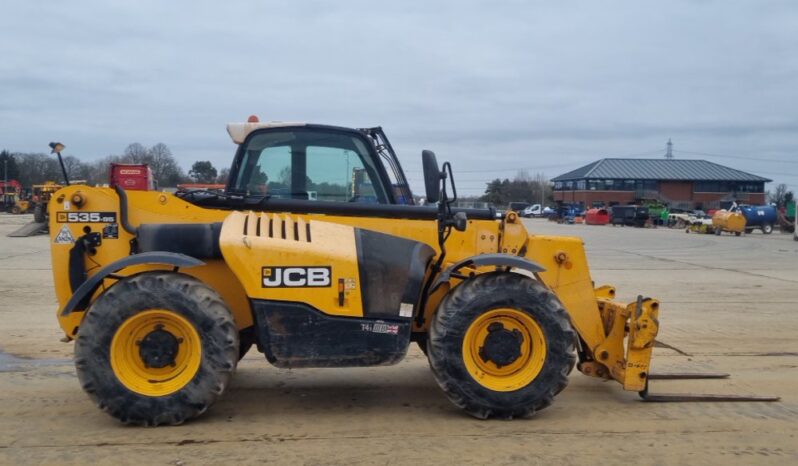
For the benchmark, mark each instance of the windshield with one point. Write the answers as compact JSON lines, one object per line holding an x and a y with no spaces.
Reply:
{"x":309,"y":164}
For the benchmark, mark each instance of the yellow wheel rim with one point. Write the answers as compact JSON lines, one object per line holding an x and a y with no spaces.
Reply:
{"x":133,"y":346}
{"x":518,"y":373}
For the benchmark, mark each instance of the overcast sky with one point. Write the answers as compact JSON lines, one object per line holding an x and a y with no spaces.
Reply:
{"x":491,"y":86}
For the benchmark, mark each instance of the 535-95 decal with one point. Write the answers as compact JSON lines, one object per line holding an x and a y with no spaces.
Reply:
{"x":85,"y":217}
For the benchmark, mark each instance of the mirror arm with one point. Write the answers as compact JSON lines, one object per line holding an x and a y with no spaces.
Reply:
{"x":447,"y":170}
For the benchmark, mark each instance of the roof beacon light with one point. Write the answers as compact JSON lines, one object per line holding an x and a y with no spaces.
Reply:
{"x":253,"y":119}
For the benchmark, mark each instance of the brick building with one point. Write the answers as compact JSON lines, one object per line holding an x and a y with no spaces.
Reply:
{"x":679,"y":183}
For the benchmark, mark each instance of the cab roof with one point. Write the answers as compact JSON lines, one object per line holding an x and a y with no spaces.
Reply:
{"x":239,"y":131}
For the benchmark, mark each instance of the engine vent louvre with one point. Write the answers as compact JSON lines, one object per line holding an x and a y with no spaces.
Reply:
{"x":277,"y":226}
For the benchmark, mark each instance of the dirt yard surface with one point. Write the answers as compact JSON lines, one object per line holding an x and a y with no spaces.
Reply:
{"x":728,"y":304}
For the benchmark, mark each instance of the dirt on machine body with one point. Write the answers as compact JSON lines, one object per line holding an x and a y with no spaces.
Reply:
{"x":316,"y":254}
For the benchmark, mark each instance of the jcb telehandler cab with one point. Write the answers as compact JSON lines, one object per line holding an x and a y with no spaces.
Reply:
{"x":316,"y":254}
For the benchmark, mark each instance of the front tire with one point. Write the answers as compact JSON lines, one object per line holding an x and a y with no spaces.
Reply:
{"x":501,"y":345}
{"x":156,"y":348}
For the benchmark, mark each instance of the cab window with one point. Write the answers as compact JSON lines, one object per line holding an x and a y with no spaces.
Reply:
{"x":309,"y":164}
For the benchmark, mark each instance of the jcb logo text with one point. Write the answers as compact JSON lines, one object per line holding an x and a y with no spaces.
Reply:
{"x":296,"y":277}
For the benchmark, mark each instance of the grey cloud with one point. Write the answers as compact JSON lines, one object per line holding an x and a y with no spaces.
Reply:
{"x":487,"y":84}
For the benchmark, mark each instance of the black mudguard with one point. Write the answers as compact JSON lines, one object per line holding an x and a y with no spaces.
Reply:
{"x":483,"y":260}
{"x":81,"y":296}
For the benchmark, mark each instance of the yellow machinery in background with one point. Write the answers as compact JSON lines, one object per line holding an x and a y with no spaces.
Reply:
{"x":728,"y":221}
{"x":316,"y":254}
{"x":16,"y":205}
{"x":41,"y":194}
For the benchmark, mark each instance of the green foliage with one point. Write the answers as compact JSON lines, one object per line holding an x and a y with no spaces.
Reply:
{"x":203,"y":172}
{"x":8,"y":161}
{"x":521,"y":189}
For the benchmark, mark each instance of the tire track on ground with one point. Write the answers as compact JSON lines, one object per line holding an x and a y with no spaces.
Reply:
{"x":704,"y":266}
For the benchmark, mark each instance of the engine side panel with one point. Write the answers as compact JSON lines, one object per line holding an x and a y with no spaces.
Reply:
{"x":337,"y":269}
{"x":279,"y":258}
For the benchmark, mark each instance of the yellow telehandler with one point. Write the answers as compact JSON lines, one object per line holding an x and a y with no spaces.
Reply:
{"x":15,"y":204}
{"x":317,"y":254}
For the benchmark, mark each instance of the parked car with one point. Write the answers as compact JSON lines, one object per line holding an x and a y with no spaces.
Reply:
{"x":532,"y":211}
{"x":518,"y":206}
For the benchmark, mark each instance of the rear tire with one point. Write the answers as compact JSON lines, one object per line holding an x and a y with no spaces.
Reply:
{"x":767,"y":228}
{"x":38,"y":214}
{"x":156,"y":348}
{"x":512,"y":388}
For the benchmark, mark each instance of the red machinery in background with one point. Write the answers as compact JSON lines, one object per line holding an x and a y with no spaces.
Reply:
{"x":10,"y":187}
{"x":597,"y":217}
{"x":131,"y":177}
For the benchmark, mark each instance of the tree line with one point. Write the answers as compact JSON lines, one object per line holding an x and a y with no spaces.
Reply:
{"x":780,"y":196}
{"x":522,"y":188}
{"x":37,"y":168}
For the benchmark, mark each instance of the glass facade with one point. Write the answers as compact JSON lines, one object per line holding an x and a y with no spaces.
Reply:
{"x":728,"y":187}
{"x":607,"y":185}
{"x":653,"y":185}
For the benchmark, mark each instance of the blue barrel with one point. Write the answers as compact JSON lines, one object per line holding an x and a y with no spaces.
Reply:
{"x":762,"y":217}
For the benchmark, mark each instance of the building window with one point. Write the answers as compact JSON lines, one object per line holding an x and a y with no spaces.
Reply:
{"x":618,"y":185}
{"x":728,"y":187}
{"x":707,"y":187}
{"x":580,"y":185}
{"x":651,"y":185}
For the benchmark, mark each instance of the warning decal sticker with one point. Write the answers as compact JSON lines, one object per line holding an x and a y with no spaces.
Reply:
{"x":64,"y":236}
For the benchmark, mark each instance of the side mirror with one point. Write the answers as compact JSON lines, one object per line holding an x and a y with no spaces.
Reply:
{"x":432,"y":176}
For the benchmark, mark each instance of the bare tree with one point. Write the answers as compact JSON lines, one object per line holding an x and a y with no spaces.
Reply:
{"x":781,"y":196}
{"x":544,"y":189}
{"x":76,"y":169}
{"x":522,"y":176}
{"x":224,"y":175}
{"x":164,"y":166}
{"x":136,"y":153}
{"x":37,"y":168}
